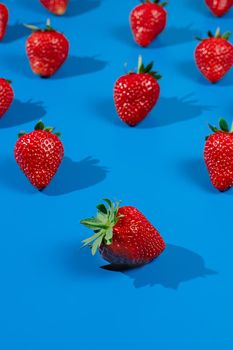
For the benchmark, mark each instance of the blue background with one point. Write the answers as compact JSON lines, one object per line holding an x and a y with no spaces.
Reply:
{"x":54,"y":295}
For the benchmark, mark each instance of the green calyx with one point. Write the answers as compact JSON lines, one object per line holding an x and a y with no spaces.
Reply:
{"x":223,"y":127}
{"x":163,"y":4}
{"x":217,"y":35}
{"x":47,"y":28}
{"x":102,"y":224}
{"x":147,"y":69}
{"x":40,"y":126}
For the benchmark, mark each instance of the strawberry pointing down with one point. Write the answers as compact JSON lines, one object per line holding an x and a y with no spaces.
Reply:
{"x":6,"y":96}
{"x":219,"y":7}
{"x":57,"y":7}
{"x":123,"y":235}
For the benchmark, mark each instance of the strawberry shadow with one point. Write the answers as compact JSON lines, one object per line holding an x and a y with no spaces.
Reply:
{"x":15,"y":32}
{"x":21,"y":113}
{"x":80,"y":7}
{"x":176,"y":265}
{"x":74,"y":176}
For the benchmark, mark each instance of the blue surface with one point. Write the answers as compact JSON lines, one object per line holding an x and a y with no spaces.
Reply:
{"x":54,"y":296}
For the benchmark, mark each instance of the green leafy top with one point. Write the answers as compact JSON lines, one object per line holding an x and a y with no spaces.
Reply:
{"x":217,"y":35}
{"x":102,"y":225}
{"x":147,"y":69}
{"x":40,"y":126}
{"x":34,"y":28}
{"x":163,"y":4}
{"x":223,"y":127}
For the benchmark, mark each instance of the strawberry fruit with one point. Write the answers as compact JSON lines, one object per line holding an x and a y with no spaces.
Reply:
{"x":219,"y":7}
{"x":3,"y":20}
{"x":147,"y":21}
{"x":214,"y":56}
{"x":57,"y":7}
{"x":6,"y":96}
{"x":47,"y":50}
{"x":218,"y":155}
{"x":123,"y":235}
{"x":135,"y":94}
{"x":39,"y":154}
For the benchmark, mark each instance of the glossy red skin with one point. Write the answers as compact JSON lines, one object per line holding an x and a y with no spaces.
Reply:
{"x":57,"y":7}
{"x":214,"y":58}
{"x":135,"y":95}
{"x":6,"y":96}
{"x":47,"y":51}
{"x":147,"y":21}
{"x":39,"y":155}
{"x":3,"y":20}
{"x":218,"y":155}
{"x":135,"y":240}
{"x":219,"y":7}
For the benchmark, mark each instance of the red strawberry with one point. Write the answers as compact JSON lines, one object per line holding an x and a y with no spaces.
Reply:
{"x":47,"y":50}
{"x":218,"y":155}
{"x":135,"y":94}
{"x":39,"y":154}
{"x":219,"y":7}
{"x":57,"y":7}
{"x":6,"y":96}
{"x":123,"y":235}
{"x":147,"y":21}
{"x":214,"y":56}
{"x":3,"y":20}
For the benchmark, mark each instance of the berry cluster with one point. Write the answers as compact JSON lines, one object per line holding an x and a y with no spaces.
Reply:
{"x":122,"y":234}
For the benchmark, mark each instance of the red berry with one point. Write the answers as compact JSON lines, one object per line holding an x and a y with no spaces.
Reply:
{"x":214,"y":56}
{"x":218,"y":155}
{"x":39,"y":155}
{"x":47,"y":50}
{"x":3,"y":20}
{"x":123,"y":235}
{"x":219,"y":7}
{"x":57,"y":7}
{"x":147,"y":21}
{"x":6,"y":96}
{"x":135,"y":94}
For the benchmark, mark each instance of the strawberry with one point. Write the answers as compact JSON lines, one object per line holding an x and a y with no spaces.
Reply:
{"x":218,"y":155}
{"x":123,"y":235}
{"x":135,"y":94}
{"x":147,"y":21}
{"x":47,"y":50}
{"x":6,"y":96}
{"x":57,"y":7}
{"x":219,"y":7}
{"x":3,"y":20}
{"x":39,"y":154}
{"x":214,"y":56}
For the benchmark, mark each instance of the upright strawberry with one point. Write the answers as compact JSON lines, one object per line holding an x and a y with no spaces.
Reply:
{"x":57,"y":7}
{"x":39,"y":154}
{"x":219,"y":7}
{"x":218,"y":155}
{"x":214,"y":56}
{"x":6,"y":96}
{"x":123,"y":235}
{"x":147,"y":21}
{"x":3,"y":20}
{"x":135,"y":94}
{"x":47,"y":50}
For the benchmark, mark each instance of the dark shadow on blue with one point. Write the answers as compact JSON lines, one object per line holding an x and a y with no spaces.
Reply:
{"x":80,"y":7}
{"x":15,"y":32}
{"x":75,"y":66}
{"x":12,"y":177}
{"x":173,"y":36}
{"x":22,"y":112}
{"x":73,"y":176}
{"x":174,"y":266}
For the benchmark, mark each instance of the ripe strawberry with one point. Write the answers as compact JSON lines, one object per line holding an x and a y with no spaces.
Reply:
{"x":57,"y":7}
{"x":135,"y":94}
{"x":3,"y":20}
{"x":123,"y":235}
{"x":47,"y":50}
{"x":218,"y":155}
{"x":6,"y":96}
{"x":147,"y":21}
{"x":214,"y":56}
{"x":39,"y":154}
{"x":219,"y":7}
